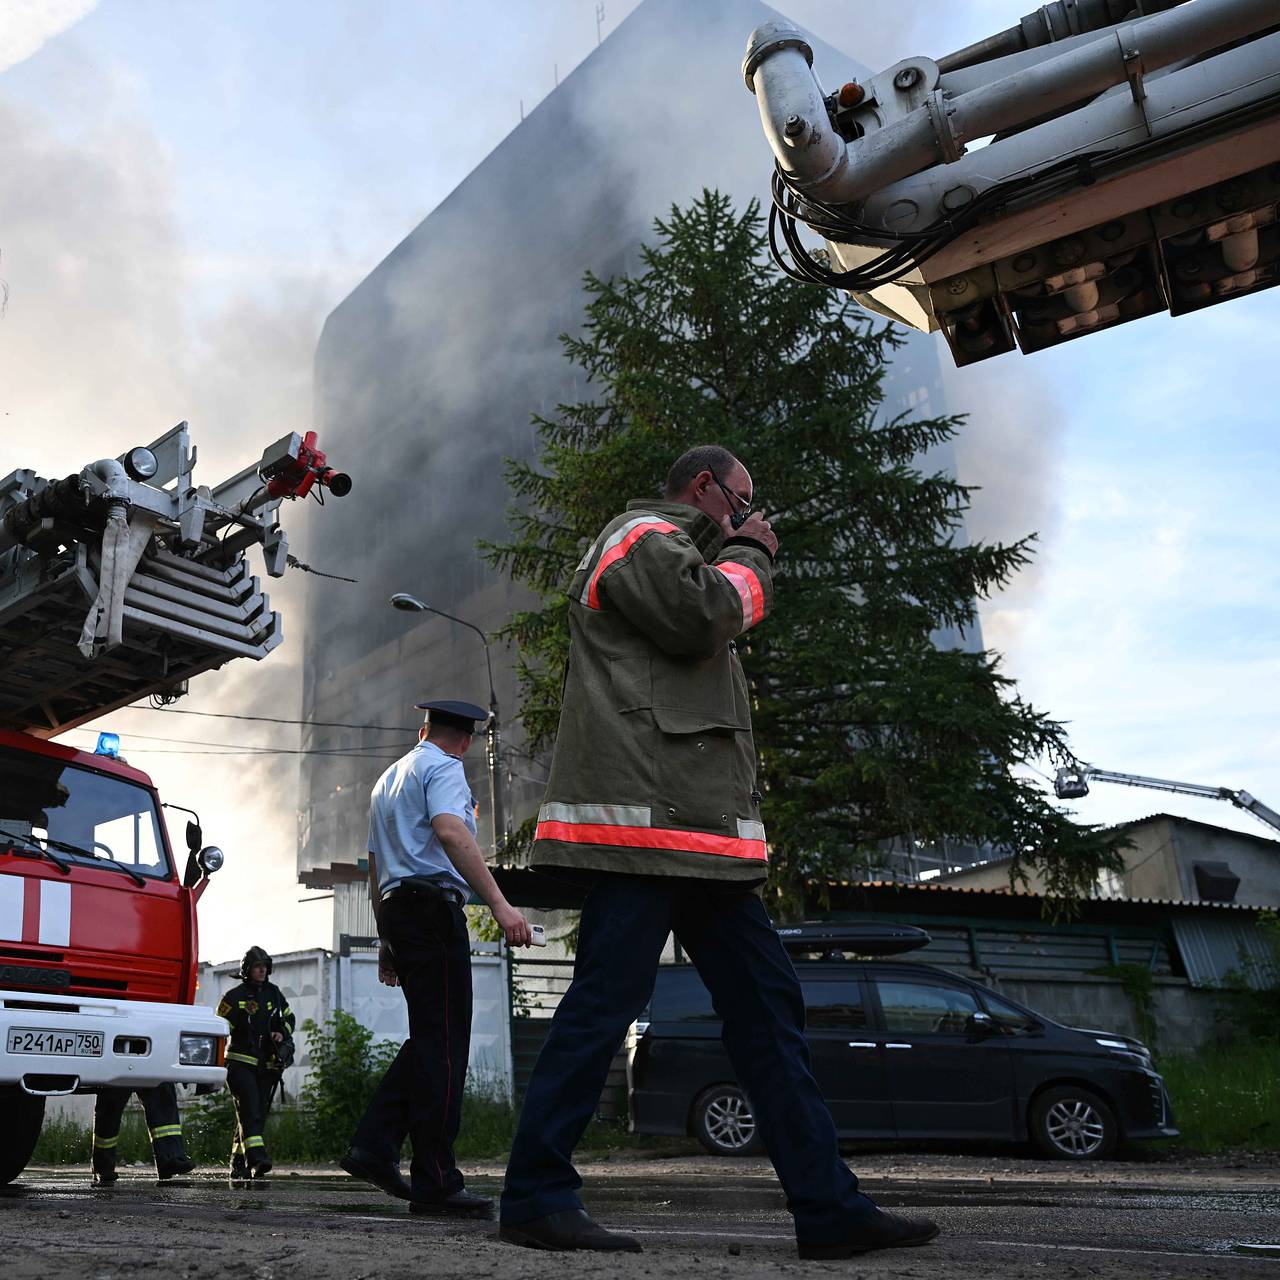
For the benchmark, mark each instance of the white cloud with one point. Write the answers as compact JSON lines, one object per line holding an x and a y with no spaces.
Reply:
{"x":102,"y":351}
{"x":26,"y":26}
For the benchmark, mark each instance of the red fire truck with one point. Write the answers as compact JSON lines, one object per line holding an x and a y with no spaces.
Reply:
{"x":118,"y":583}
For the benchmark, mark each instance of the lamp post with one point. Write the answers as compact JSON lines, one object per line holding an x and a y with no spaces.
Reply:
{"x":493,"y":729}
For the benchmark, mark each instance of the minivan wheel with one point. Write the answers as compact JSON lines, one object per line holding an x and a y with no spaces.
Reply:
{"x":723,"y":1122}
{"x":1072,"y":1123}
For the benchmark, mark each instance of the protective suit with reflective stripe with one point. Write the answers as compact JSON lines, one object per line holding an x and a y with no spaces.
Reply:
{"x":655,"y":769}
{"x":256,"y":1012}
{"x":160,"y":1105}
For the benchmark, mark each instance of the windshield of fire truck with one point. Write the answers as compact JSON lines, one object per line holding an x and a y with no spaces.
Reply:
{"x":105,"y":817}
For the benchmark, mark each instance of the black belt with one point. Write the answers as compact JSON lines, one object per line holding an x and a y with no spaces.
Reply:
{"x":426,"y":892}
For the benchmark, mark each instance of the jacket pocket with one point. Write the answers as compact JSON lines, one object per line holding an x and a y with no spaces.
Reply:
{"x":691,"y":696}
{"x":695,"y":774}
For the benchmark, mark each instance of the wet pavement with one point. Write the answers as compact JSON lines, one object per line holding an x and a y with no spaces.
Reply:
{"x":694,"y":1216}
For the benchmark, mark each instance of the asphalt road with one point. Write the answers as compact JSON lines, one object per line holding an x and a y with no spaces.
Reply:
{"x":695,"y":1216}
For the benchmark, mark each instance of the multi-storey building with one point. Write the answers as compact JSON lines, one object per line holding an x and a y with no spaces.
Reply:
{"x":428,"y":373}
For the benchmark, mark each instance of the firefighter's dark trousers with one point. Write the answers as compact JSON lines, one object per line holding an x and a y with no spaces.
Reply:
{"x":251,"y":1090}
{"x":159,"y":1104}
{"x":421,"y":1094}
{"x":728,"y":936}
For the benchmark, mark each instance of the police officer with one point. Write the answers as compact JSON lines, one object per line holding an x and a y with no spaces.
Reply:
{"x":423,"y":863}
{"x":260,"y":1048}
{"x":160,"y":1105}
{"x":652,"y":800}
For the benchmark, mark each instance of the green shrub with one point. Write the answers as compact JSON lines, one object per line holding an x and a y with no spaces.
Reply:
{"x":346,"y":1066}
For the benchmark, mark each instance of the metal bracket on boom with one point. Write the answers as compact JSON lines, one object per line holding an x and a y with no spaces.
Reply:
{"x":129,"y":578}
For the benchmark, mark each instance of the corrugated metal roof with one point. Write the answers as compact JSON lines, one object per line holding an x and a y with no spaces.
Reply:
{"x":1214,"y":950}
{"x":942,"y":886}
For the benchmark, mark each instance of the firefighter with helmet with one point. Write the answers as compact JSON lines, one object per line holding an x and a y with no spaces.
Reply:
{"x":260,"y":1048}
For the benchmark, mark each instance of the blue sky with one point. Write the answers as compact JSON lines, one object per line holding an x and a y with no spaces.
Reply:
{"x":186,"y":190}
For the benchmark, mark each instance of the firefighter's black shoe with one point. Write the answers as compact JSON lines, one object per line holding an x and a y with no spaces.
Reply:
{"x":259,"y":1167}
{"x":175,"y":1168}
{"x":462,"y":1204}
{"x":104,"y":1176}
{"x":384,"y":1175}
{"x":883,"y":1231}
{"x":568,"y":1229}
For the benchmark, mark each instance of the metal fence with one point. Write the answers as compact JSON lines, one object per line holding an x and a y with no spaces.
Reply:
{"x":536,"y":987}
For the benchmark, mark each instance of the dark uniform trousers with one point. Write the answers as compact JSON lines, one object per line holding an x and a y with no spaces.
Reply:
{"x":421,"y":1094}
{"x":159,"y":1104}
{"x":730,"y":939}
{"x":252,"y":1087}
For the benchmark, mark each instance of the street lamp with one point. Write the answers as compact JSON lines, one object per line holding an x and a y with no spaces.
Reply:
{"x":406,"y":603}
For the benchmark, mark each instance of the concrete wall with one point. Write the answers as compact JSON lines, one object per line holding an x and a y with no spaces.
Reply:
{"x":1187,"y":1017}
{"x":317,"y":983}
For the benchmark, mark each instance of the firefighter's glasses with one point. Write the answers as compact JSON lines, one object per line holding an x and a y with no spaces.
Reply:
{"x":739,"y":507}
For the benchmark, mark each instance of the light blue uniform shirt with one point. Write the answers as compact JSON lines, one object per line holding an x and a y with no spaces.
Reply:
{"x":420,"y":786}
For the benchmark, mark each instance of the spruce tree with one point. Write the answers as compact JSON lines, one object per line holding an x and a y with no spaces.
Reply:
{"x":868,"y":733}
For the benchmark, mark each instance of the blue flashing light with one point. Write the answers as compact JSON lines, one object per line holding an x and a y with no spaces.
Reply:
{"x":108,"y":745}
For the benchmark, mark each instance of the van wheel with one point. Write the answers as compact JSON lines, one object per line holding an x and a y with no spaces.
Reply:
{"x":1072,"y":1123}
{"x":723,"y":1122}
{"x":21,"y":1117}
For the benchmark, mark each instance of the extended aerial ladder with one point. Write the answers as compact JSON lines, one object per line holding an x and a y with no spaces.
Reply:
{"x":1072,"y":783}
{"x":1131,"y":166}
{"x":128,"y":578}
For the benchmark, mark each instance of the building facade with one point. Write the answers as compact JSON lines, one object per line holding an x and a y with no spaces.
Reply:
{"x":428,"y":374}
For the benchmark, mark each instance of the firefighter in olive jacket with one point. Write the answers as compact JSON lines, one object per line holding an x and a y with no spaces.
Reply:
{"x":653,"y":801}
{"x":260,"y":1048}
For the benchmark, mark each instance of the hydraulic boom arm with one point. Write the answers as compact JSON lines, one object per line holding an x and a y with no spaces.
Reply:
{"x":1129,"y":167}
{"x":1070,"y":784}
{"x":128,"y":578}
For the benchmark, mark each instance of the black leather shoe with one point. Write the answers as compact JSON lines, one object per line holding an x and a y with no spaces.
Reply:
{"x":884,"y":1231}
{"x":568,"y":1229}
{"x":382,"y":1173}
{"x":260,"y":1167}
{"x":166,"y":1169}
{"x":105,"y":1177}
{"x":462,"y":1204}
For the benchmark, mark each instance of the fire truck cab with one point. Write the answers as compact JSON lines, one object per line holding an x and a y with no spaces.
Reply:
{"x":98,"y":941}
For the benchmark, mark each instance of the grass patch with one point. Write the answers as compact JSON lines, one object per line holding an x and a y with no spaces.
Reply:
{"x":488,"y":1126}
{"x":1226,"y":1097}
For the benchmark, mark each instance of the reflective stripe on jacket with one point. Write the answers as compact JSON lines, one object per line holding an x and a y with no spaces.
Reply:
{"x":254,"y":1012}
{"x":654,"y":771}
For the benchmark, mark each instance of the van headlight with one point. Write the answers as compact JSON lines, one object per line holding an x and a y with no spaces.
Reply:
{"x":197,"y":1050}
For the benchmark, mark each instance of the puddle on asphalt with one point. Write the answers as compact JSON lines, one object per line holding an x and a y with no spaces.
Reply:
{"x":379,"y":1209}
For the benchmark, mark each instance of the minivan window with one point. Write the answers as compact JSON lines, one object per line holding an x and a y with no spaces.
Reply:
{"x":679,"y":996}
{"x":919,"y":1008}
{"x":835,"y":1005}
{"x":1010,"y":1019}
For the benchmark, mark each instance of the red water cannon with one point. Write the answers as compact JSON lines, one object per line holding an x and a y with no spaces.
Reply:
{"x":293,"y":465}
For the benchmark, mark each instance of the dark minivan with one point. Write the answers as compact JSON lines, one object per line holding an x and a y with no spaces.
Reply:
{"x":902,"y":1050}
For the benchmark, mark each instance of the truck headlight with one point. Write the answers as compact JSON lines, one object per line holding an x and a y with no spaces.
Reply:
{"x":197,"y":1051}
